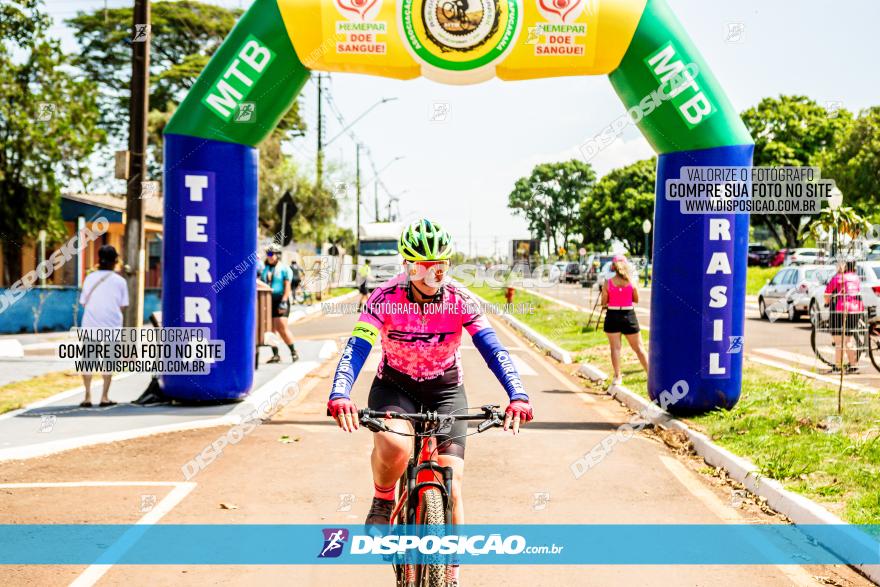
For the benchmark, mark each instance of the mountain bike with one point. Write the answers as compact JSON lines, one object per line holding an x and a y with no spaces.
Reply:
{"x":424,"y":493}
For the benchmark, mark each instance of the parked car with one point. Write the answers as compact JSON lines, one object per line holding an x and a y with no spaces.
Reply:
{"x":778,"y":258}
{"x":593,"y":266}
{"x":808,"y":290}
{"x":813,"y":299}
{"x":759,"y":255}
{"x":873,"y":253}
{"x":777,"y":295}
{"x":572,"y":273}
{"x":805,"y":257}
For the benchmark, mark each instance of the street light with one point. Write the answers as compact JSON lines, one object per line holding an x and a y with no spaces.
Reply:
{"x":375,"y":179}
{"x":646,"y":228}
{"x":835,"y":201}
{"x":355,"y":121}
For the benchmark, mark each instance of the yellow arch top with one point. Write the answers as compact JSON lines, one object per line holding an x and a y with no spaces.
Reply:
{"x":462,"y":41}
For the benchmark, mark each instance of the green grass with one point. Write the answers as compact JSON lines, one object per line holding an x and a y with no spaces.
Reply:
{"x":568,"y":328}
{"x":757,"y":277}
{"x":784,"y":423}
{"x":18,"y":394}
{"x":339,"y":291}
{"x":788,"y":426}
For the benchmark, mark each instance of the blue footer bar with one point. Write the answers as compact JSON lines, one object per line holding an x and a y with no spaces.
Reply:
{"x":174,"y":544}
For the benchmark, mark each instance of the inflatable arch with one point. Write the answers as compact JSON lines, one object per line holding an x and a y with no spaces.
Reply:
{"x":211,"y":155}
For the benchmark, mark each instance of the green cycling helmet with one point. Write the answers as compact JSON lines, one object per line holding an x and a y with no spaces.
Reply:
{"x":424,"y":240}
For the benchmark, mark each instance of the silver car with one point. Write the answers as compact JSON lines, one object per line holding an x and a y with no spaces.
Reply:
{"x":778,"y":295}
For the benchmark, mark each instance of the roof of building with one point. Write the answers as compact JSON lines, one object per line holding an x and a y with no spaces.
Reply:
{"x":153,"y":208}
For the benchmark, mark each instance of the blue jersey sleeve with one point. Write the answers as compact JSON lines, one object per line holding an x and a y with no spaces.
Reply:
{"x":500,"y":362}
{"x":354,"y":355}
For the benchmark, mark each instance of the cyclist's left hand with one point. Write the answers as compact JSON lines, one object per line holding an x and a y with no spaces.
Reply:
{"x":519,"y":411}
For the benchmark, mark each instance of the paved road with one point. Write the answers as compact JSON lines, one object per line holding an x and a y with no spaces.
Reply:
{"x":778,"y":341}
{"x":321,"y":475}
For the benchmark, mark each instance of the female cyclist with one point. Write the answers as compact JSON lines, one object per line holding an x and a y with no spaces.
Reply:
{"x":420,"y":315}
{"x":618,"y":296}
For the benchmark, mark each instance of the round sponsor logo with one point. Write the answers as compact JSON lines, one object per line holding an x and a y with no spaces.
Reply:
{"x":459,"y":35}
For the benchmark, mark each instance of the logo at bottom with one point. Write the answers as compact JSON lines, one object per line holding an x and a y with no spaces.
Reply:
{"x":334,"y":540}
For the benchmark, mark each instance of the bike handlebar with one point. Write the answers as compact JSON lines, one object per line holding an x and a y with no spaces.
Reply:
{"x":372,"y":419}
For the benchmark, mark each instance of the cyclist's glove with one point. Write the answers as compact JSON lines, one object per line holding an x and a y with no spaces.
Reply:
{"x":341,"y":406}
{"x":523,"y":408}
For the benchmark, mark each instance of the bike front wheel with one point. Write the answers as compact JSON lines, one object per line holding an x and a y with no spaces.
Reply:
{"x":432,"y":513}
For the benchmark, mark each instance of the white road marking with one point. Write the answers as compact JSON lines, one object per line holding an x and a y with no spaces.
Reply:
{"x":790,"y":357}
{"x":567,"y":384}
{"x":729,"y":515}
{"x":824,"y":378}
{"x":292,"y":374}
{"x":522,"y":366}
{"x":94,"y":572}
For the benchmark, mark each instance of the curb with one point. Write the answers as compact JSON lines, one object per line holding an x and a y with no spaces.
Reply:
{"x":797,"y":508}
{"x":255,"y":399}
{"x":542,"y":342}
{"x":592,"y":373}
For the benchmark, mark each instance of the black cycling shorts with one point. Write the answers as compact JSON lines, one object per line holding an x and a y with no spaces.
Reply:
{"x":277,"y":312}
{"x":397,"y":392}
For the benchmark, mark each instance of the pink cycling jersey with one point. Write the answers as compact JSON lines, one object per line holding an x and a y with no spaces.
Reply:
{"x":422,"y":341}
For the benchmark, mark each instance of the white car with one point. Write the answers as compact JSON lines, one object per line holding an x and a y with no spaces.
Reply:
{"x":814,"y":296}
{"x":778,"y":295}
{"x":805,"y":257}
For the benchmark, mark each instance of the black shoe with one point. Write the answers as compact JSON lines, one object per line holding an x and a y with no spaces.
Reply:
{"x":276,"y":358}
{"x":380,"y":512}
{"x":294,"y":356}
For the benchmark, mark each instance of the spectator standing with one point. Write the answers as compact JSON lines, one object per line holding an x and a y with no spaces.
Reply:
{"x":104,"y":298}
{"x":278,"y":276}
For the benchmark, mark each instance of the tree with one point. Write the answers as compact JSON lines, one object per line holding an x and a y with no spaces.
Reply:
{"x":48,"y":128}
{"x":550,"y":197}
{"x":855,"y":163}
{"x":184,"y":36}
{"x":792,"y":131}
{"x":622,"y":200}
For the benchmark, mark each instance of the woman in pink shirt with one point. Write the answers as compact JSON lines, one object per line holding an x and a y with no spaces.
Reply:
{"x":618,"y":296}
{"x":845,"y":291}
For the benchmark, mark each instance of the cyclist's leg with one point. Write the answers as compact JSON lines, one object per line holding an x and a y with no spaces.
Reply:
{"x":390,"y":451}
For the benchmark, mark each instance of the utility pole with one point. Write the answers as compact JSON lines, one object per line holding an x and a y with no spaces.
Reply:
{"x":357,"y":206}
{"x":376,"y":196}
{"x":139,"y":104}
{"x":319,"y":163}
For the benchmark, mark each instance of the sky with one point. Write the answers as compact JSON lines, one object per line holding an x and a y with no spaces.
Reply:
{"x":460,"y":170}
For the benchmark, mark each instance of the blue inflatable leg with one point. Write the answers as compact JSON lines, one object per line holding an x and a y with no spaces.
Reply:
{"x":211,"y":232}
{"x":698,"y":292}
